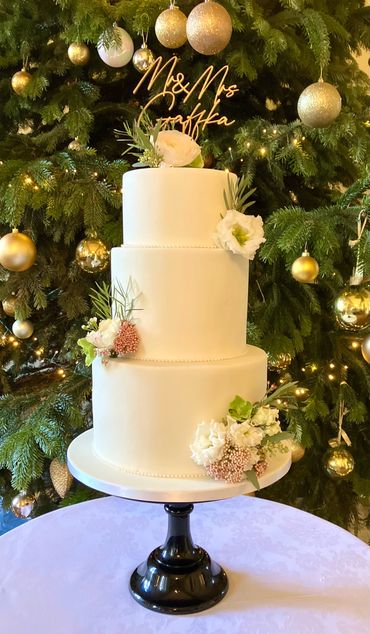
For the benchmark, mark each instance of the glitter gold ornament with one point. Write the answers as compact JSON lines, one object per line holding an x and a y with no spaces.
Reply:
{"x":17,"y":251}
{"x":305,"y":268}
{"x":23,"y":504}
{"x":209,"y":28}
{"x":319,"y":104}
{"x":92,"y":255}
{"x":61,"y":477}
{"x":78,"y":53}
{"x":338,"y":462}
{"x":365,"y":349}
{"x":75,"y":145}
{"x":297,"y":450}
{"x":9,"y":306}
{"x":143,"y":58}
{"x":119,"y":52}
{"x":20,"y":81}
{"x":279,"y":361}
{"x":170,"y":27}
{"x":22,"y":328}
{"x":352,"y":307}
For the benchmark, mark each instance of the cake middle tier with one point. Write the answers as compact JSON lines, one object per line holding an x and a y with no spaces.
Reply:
{"x":191,"y":303}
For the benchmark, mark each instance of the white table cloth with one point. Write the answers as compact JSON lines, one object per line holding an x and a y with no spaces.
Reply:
{"x":68,"y":572}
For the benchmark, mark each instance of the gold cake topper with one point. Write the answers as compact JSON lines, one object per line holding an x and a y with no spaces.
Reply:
{"x":176,"y":87}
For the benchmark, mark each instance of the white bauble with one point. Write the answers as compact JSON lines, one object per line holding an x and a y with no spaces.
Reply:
{"x":119,"y":52}
{"x":22,"y":329}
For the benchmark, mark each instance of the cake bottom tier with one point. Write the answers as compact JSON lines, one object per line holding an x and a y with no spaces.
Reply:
{"x":145,"y":414}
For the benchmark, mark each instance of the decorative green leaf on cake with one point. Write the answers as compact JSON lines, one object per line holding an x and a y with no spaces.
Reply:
{"x":88,"y":350}
{"x":160,"y":148}
{"x":111,"y":336}
{"x":237,"y":194}
{"x":237,"y":447}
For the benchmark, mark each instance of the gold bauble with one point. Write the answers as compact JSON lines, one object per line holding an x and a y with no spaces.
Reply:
{"x":297,"y":450}
{"x":209,"y":28}
{"x":143,"y":58}
{"x":305,"y":269}
{"x":17,"y":251}
{"x":338,"y":461}
{"x":75,"y":145}
{"x":352,"y":307}
{"x":170,"y":27}
{"x":9,"y":306}
{"x":92,"y":255}
{"x":22,"y":328}
{"x":365,"y":349}
{"x":22,"y":504}
{"x":319,"y":105}
{"x":20,"y":81}
{"x":279,"y":361}
{"x":78,"y":53}
{"x":61,"y":477}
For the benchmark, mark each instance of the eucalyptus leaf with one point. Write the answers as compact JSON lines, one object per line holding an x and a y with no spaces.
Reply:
{"x":252,"y":477}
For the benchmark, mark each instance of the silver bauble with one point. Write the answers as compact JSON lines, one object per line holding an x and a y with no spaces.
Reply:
{"x":23,"y":504}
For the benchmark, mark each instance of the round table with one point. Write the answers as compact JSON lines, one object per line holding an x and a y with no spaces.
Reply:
{"x":68,"y":572}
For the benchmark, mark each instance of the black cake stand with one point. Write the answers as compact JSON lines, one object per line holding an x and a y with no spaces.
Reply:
{"x":178,"y":577}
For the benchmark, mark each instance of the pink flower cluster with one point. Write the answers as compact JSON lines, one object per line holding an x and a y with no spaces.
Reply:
{"x":127,"y":339}
{"x":233,"y":465}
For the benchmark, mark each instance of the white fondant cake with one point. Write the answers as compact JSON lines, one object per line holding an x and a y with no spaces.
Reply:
{"x":192,"y":358}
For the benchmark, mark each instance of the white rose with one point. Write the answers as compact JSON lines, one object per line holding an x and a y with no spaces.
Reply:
{"x":106,"y":333}
{"x":243,"y":435}
{"x":209,"y":442}
{"x":239,"y":233}
{"x":176,"y":148}
{"x":265,"y":415}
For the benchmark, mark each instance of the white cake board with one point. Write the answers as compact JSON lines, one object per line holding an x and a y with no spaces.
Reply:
{"x":86,"y":467}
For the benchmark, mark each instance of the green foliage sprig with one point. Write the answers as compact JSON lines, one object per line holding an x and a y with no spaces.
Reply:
{"x":141,"y":139}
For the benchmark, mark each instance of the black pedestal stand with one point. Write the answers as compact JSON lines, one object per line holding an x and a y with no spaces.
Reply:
{"x":178,"y":577}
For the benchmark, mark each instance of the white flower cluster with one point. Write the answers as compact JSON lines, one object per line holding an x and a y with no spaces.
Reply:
{"x":240,"y":233}
{"x":104,"y":336}
{"x":212,"y":437}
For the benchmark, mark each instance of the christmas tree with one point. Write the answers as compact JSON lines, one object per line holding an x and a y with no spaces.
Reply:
{"x":65,"y":92}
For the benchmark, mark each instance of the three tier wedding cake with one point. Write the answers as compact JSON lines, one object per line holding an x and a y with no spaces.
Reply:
{"x":182,"y":257}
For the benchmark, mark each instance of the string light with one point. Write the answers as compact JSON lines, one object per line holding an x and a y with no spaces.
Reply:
{"x":331,"y":377}
{"x":263,"y":151}
{"x":28,"y":180}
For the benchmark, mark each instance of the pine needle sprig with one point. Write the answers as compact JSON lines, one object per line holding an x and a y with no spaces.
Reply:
{"x":237,"y":194}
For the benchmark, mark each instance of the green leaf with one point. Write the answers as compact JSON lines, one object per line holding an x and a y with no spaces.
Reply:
{"x":252,"y":477}
{"x":281,"y":435}
{"x":198,"y":161}
{"x":240,"y":409}
{"x":88,"y":350}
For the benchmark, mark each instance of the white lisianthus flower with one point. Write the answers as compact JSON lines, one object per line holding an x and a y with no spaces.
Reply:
{"x":265,"y":415}
{"x":209,"y":442}
{"x":176,"y":148}
{"x":273,"y":429}
{"x":105,"y":335}
{"x":244,"y":435}
{"x":239,"y":233}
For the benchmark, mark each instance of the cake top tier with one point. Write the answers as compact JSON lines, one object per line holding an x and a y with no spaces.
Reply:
{"x":175,"y":206}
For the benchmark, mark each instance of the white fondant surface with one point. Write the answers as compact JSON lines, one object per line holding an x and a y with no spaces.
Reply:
{"x":86,"y":467}
{"x":145,"y":414}
{"x":192,"y":303}
{"x":173,"y":206}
